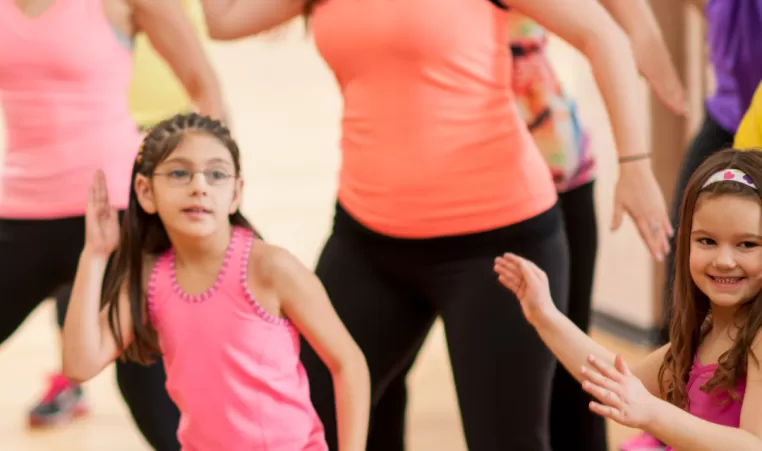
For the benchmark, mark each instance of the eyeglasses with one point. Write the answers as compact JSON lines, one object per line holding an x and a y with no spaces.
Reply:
{"x":184,"y":177}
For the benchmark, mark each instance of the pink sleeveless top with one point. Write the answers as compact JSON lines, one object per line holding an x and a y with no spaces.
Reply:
{"x":64,"y":78}
{"x":710,"y":407}
{"x":233,"y":370}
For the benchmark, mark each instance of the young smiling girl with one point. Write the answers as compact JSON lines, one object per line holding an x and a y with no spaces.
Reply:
{"x":703,"y":390}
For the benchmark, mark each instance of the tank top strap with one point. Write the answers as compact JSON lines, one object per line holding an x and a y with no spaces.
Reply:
{"x":237,"y":257}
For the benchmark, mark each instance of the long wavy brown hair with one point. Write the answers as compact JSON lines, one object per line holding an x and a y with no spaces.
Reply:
{"x":691,"y":308}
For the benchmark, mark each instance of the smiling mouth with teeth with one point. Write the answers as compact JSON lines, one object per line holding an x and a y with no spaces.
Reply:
{"x":726,"y":280}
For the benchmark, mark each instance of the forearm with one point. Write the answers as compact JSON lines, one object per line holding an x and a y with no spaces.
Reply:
{"x":685,"y":432}
{"x":206,"y":94}
{"x":352,"y":404}
{"x":636,"y":18}
{"x":570,"y":345}
{"x":82,"y":335}
{"x":613,"y":66}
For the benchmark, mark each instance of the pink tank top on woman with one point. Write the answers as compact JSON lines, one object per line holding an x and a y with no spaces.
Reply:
{"x":717,"y":409}
{"x":432,"y":141}
{"x":232,"y":369}
{"x":64,"y":77}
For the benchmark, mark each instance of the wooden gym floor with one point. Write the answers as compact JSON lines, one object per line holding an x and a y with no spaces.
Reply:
{"x":285,"y":111}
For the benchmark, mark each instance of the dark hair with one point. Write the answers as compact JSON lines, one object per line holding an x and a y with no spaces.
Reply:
{"x":691,"y":308}
{"x":144,"y":234}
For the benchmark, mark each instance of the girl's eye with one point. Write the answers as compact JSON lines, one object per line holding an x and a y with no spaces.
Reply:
{"x":705,"y":241}
{"x":217,"y":174}
{"x":748,"y":245}
{"x":178,"y":174}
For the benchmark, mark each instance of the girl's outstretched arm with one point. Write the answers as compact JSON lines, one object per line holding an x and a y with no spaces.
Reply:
{"x":88,"y":344}
{"x":234,"y":19}
{"x":172,"y":34}
{"x":305,"y":302}
{"x":623,"y":398}
{"x":570,"y":344}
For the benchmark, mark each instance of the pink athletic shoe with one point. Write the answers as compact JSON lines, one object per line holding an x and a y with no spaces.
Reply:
{"x":642,"y":442}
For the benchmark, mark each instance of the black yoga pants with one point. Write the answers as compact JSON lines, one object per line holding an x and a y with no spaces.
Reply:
{"x":388,"y":293}
{"x":572,"y":426}
{"x":710,"y":139}
{"x":39,"y":259}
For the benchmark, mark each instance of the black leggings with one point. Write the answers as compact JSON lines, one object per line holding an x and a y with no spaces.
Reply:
{"x":572,"y":426}
{"x":388,"y":293}
{"x":39,"y":259}
{"x":710,"y":139}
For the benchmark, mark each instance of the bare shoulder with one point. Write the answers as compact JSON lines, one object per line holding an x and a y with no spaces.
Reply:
{"x":269,"y":263}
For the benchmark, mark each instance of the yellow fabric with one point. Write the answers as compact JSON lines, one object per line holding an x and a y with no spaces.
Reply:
{"x":155,"y":93}
{"x":749,"y":134}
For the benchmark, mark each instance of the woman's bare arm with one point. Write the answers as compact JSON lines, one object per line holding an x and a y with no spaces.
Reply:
{"x":234,"y":19}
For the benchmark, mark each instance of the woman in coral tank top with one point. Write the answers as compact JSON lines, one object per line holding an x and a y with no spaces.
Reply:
{"x":63,"y":86}
{"x":439,"y":176}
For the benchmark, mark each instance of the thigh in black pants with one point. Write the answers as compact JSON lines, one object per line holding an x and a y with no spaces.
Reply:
{"x":572,"y":426}
{"x":710,"y":139}
{"x":38,"y":257}
{"x":386,"y":291}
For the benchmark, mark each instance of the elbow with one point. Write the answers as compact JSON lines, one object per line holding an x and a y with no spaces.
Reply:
{"x":76,"y":373}
{"x":219,"y":30}
{"x":353,"y":366}
{"x":218,"y":33}
{"x":76,"y":368}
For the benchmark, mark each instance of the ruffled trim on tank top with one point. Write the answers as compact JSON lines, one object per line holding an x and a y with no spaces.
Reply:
{"x":244,"y":279}
{"x":206,"y":295}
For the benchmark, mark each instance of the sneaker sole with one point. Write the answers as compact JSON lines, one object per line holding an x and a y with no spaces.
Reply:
{"x":78,"y":411}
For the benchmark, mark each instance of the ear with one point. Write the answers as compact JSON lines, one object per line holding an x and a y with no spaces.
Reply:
{"x":237,"y":194}
{"x":144,"y":193}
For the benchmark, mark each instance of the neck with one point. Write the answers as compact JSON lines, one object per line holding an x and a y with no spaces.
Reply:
{"x":724,"y":319}
{"x":192,"y":250}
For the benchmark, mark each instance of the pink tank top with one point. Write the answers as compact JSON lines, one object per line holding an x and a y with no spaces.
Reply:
{"x":432,"y":141}
{"x":64,"y":78}
{"x":233,"y":370}
{"x":710,"y":407}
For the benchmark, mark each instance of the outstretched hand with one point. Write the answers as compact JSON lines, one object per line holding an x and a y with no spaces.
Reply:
{"x":621,"y":396}
{"x":101,"y":218}
{"x":528,"y":282}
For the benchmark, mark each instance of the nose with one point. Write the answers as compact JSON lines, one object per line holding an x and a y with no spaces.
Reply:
{"x":724,"y":259}
{"x":198,"y":185}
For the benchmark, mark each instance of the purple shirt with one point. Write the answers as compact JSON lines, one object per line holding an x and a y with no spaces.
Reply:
{"x":734,"y":33}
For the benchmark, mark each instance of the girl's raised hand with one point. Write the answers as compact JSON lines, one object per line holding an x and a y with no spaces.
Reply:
{"x":528,"y":282}
{"x":101,"y":219}
{"x":621,"y":396}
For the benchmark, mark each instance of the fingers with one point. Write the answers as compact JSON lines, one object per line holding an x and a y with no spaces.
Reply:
{"x":508,"y":273}
{"x":654,"y":237}
{"x":605,"y":369}
{"x":607,"y":412}
{"x":616,"y":219}
{"x":621,"y":365}
{"x":598,"y":380}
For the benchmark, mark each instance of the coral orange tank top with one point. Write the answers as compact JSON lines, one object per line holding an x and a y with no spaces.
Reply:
{"x":432,"y":141}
